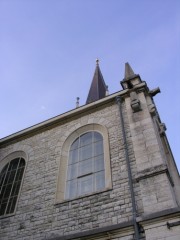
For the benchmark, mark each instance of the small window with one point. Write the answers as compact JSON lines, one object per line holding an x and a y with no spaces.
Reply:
{"x":10,"y":182}
{"x":86,"y":171}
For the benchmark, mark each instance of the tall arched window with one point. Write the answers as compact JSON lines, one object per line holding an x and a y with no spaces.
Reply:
{"x":10,"y":182}
{"x":86,"y":171}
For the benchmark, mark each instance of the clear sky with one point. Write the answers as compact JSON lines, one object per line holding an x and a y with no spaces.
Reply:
{"x":48,"y":50}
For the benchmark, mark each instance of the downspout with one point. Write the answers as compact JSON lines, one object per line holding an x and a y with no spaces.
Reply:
{"x":136,"y":227}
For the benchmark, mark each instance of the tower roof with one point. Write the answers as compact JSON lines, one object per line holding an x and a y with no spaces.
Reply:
{"x":129,"y":73}
{"x":98,"y":87}
{"x":130,"y":78}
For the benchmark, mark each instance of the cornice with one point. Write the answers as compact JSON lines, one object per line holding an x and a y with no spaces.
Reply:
{"x":27,"y":132}
{"x":62,"y":117}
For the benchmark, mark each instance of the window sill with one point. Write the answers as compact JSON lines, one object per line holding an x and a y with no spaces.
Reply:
{"x":82,"y":196}
{"x":7,"y":215}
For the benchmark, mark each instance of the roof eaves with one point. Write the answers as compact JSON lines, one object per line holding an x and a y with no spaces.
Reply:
{"x":53,"y":121}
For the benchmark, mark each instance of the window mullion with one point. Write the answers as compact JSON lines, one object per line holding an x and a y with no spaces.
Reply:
{"x":77,"y":181}
{"x":12,"y":185}
{"x":88,"y":150}
{"x":4,"y":177}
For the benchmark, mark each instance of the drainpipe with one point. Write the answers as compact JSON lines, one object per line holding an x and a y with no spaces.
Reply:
{"x":136,"y":227}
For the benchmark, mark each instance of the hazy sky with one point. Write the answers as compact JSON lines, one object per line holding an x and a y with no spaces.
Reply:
{"x":48,"y":50}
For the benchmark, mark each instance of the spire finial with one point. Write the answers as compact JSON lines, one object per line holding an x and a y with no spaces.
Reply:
{"x":107,"y":90}
{"x":77,"y":102}
{"x":97,"y":62}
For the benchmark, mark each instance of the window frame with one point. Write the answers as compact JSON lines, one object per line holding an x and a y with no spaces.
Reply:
{"x":3,"y":163}
{"x":63,"y":164}
{"x":91,"y":172}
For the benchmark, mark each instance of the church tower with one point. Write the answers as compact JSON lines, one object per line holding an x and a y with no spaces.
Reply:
{"x":101,"y":171}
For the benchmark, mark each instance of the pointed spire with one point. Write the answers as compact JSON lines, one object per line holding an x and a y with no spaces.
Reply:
{"x":98,"y":87}
{"x":130,"y":78}
{"x":129,"y":73}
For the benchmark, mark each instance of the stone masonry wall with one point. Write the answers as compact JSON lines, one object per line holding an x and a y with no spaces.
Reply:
{"x":37,"y":217}
{"x":156,"y":190}
{"x":159,"y":230}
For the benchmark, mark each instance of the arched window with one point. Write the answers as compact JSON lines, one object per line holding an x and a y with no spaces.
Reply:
{"x":10,"y":182}
{"x":84,"y":166}
{"x":86,"y":170}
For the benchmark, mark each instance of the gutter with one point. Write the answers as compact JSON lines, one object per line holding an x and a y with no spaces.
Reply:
{"x":134,"y":212}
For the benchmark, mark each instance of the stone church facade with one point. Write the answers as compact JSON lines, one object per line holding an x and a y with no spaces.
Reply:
{"x":101,"y":171}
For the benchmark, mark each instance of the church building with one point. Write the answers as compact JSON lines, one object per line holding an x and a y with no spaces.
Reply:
{"x":102,"y":171}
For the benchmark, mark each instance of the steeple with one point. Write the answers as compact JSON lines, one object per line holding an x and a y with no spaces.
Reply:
{"x":98,"y":87}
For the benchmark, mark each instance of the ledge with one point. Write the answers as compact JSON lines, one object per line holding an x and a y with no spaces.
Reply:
{"x":174,"y":224}
{"x":58,"y":203}
{"x":94,"y":231}
{"x":161,"y":214}
{"x":153,"y":171}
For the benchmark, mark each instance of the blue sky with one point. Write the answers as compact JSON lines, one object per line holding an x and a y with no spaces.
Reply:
{"x":48,"y":50}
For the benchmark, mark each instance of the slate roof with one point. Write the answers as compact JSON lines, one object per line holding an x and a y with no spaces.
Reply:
{"x":98,"y":87}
